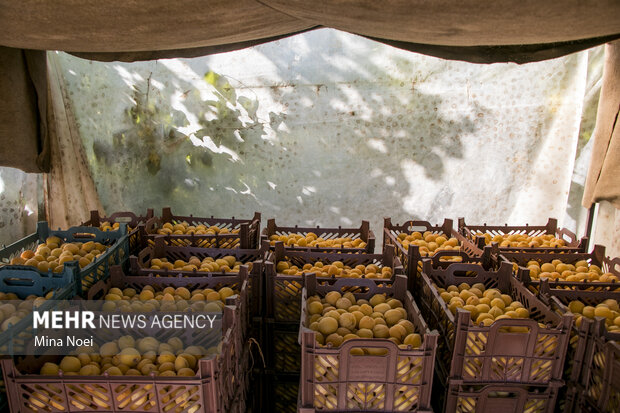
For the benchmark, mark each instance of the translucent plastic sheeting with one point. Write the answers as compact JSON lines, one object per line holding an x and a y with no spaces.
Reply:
{"x":18,"y":204}
{"x":327,"y":128}
{"x":576,"y":216}
{"x":607,"y":228}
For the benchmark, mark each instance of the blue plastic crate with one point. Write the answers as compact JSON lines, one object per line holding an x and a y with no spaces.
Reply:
{"x":24,"y":281}
{"x":99,"y":269}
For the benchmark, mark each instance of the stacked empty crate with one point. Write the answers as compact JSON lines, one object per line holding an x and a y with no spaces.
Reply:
{"x":299,"y":246}
{"x":42,"y":285}
{"x":577,"y":282}
{"x":514,"y":362}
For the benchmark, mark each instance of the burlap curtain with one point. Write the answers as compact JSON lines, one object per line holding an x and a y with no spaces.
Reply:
{"x":69,"y":189}
{"x":23,"y":108}
{"x":130,"y":25}
{"x":603,"y":181}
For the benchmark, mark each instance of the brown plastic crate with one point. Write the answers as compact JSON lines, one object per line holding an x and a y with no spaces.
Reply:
{"x":283,"y":292}
{"x":579,"y":353}
{"x":248,"y":236}
{"x":597,"y":372}
{"x":241,"y":401}
{"x":477,"y":353}
{"x":596,"y":257}
{"x":280,"y":345}
{"x":210,"y":391}
{"x":132,"y":220}
{"x":411,"y":258}
{"x":399,"y":372}
{"x":237,"y":281}
{"x":505,"y":398}
{"x":571,"y":395}
{"x":602,"y":393}
{"x":572,"y":243}
{"x":139,"y":265}
{"x":363,"y":232}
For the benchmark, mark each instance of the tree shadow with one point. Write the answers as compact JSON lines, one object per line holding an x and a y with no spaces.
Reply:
{"x":326,"y":129}
{"x":298,"y":142}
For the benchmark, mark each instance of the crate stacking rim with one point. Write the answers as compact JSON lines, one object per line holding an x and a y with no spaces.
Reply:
{"x":363,"y":232}
{"x":283,"y":292}
{"x":492,"y":354}
{"x":595,"y":376}
{"x":248,"y":236}
{"x":350,"y":382}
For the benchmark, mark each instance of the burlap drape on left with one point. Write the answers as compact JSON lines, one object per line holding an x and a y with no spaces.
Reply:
{"x":70,"y":192}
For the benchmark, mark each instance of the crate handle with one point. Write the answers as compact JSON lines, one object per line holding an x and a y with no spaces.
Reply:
{"x":382,"y":360}
{"x":449,"y":277}
{"x":127,"y":217}
{"x":450,"y":253}
{"x":614,"y":266}
{"x":418,"y":226}
{"x":378,"y":343}
{"x":17,"y":281}
{"x":399,"y":286}
{"x":83,"y":235}
{"x":90,"y":232}
{"x":566,"y":235}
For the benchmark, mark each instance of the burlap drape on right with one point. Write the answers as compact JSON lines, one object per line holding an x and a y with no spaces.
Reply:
{"x":603,"y":181}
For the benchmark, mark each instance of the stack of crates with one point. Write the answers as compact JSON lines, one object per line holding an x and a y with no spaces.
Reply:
{"x":592,"y":366}
{"x":213,"y":388}
{"x":519,"y":245}
{"x":488,"y":366}
{"x":279,"y":382}
{"x":511,"y":363}
{"x":365,"y":374}
{"x":210,"y":239}
{"x":25,"y":282}
{"x":221,"y":383}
